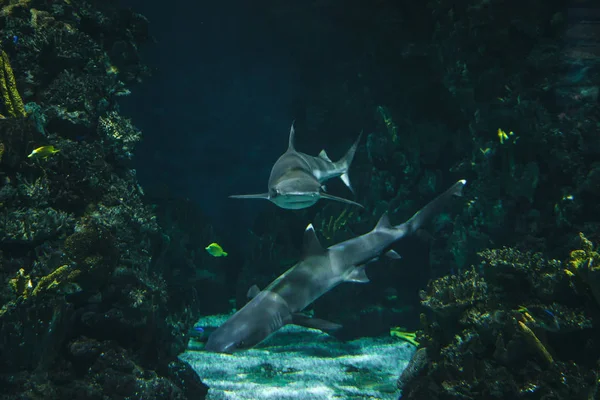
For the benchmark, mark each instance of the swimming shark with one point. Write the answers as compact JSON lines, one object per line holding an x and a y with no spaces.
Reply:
{"x":319,"y":271}
{"x":296,"y":179}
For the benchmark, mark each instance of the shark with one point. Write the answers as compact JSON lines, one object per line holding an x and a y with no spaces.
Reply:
{"x":296,"y":179}
{"x":320,"y":270}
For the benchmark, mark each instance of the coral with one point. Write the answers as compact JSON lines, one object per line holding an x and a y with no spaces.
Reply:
{"x":585,"y":264}
{"x":523,"y":275}
{"x":91,"y":247}
{"x":55,"y":280}
{"x":585,"y":258}
{"x":336,"y":224}
{"x":7,"y":9}
{"x":452,"y":294}
{"x":417,"y":364}
{"x":120,"y":131}
{"x":390,"y":125}
{"x":8,"y":88}
{"x":76,"y":239}
{"x":535,"y":343}
{"x":21,"y":284}
{"x":480,"y":339}
{"x":33,"y":225}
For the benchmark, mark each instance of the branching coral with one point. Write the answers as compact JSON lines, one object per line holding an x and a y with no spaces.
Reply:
{"x":8,"y":88}
{"x":55,"y":280}
{"x":335,"y":224}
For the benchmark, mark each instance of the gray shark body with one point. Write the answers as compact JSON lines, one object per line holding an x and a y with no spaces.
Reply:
{"x":319,"y":271}
{"x":296,"y":179}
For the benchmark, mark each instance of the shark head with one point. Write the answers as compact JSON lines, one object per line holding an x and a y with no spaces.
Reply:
{"x":233,"y":335}
{"x":295,"y":190}
{"x":252,"y":324}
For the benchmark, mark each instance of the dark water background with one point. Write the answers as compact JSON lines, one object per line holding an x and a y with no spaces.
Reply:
{"x":220,"y":94}
{"x":228,"y":80}
{"x":216,"y":113}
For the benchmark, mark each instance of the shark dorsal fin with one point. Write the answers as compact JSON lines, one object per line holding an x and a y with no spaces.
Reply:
{"x":384,"y":222}
{"x":252,"y":292}
{"x":291,"y":139}
{"x":324,"y":155}
{"x":311,"y":245}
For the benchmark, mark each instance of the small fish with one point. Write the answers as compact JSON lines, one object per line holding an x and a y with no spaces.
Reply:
{"x":43,"y":152}
{"x":197,"y":332}
{"x":540,"y":316}
{"x":215,"y":250}
{"x":503,"y":136}
{"x":15,"y":39}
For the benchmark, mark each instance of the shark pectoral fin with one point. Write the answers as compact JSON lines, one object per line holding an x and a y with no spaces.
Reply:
{"x":250,"y":196}
{"x":340,"y":199}
{"x":315,"y":323}
{"x":358,"y":275}
{"x":393,"y":255}
{"x":311,"y":245}
{"x":252,"y":292}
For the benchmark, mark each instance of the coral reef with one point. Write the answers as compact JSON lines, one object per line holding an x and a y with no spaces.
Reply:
{"x":8,"y":88}
{"x":85,"y":311}
{"x":585,"y":265}
{"x":507,"y":328}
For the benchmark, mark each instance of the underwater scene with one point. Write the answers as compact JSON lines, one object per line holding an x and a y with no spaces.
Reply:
{"x":300,"y":200}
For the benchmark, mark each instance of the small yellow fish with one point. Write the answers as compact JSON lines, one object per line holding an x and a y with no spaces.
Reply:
{"x":215,"y":250}
{"x":502,"y":136}
{"x":409,"y":337}
{"x":43,"y":152}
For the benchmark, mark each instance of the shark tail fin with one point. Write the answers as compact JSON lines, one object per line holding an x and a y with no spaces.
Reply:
{"x":250,"y":196}
{"x":433,"y":207}
{"x":344,"y":163}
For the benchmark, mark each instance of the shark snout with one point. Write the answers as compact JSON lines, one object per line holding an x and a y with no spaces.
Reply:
{"x":294,"y":200}
{"x":220,"y":343}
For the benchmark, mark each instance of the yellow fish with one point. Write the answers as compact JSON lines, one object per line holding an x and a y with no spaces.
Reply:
{"x":215,"y":250}
{"x":43,"y":152}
